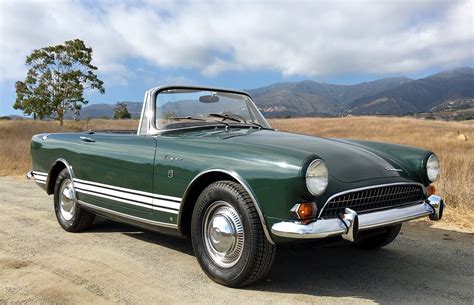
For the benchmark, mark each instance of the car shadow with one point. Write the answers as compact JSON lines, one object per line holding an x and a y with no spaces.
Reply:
{"x":414,"y":268}
{"x":435,"y":266}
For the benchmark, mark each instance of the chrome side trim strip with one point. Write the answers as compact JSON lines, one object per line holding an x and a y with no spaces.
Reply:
{"x":128,"y":196}
{"x":132,"y":191}
{"x":138,"y":200}
{"x":166,"y":203}
{"x":102,"y":190}
{"x":367,"y":188}
{"x":244,"y":185}
{"x":80,"y":191}
{"x":152,"y":222}
{"x":39,"y":177}
{"x":35,"y":173}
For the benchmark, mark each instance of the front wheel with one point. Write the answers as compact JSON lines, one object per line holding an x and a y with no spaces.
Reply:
{"x":228,"y":237}
{"x":70,"y":215}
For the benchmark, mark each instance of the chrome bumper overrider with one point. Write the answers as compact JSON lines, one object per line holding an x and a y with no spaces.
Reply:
{"x":350,"y":223}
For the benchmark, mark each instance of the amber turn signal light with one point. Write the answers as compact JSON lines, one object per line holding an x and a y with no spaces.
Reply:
{"x":430,"y":190}
{"x":304,"y":210}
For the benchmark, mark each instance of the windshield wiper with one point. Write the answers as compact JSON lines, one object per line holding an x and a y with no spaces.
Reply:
{"x":178,"y":118}
{"x":226,"y":116}
{"x":257,"y":124}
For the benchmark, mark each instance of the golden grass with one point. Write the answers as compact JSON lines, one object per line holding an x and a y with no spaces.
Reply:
{"x":15,"y":139}
{"x":456,"y":183}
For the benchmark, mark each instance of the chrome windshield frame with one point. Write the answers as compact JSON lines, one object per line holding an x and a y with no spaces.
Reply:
{"x":147,"y":125}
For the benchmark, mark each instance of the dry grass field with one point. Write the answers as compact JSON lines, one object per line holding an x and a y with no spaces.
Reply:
{"x":451,"y":141}
{"x":15,"y":136}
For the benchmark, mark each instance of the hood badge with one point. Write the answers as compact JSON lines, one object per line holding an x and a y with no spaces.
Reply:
{"x":392,"y":169}
{"x":173,"y":158}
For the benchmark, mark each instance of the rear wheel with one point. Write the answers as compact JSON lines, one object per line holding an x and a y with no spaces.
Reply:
{"x":70,"y":215}
{"x":378,"y":238}
{"x":228,"y":237}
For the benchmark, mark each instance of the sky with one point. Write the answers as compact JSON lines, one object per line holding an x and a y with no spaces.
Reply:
{"x":142,"y":44}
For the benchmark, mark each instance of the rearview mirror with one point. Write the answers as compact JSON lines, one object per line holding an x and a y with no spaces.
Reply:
{"x":209,"y":99}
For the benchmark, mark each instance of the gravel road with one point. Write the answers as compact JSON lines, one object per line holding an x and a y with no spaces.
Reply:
{"x":115,"y":263}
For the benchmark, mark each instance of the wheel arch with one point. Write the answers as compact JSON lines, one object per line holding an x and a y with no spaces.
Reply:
{"x":53,"y":173}
{"x":199,"y":183}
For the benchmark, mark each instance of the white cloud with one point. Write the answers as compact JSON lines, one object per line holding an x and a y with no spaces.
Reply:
{"x":292,"y":37}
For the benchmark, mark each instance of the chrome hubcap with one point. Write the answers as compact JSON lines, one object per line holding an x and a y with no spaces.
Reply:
{"x":223,"y":234}
{"x":66,"y":200}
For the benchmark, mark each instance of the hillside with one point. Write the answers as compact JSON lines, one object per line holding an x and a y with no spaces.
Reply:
{"x":452,"y":89}
{"x":310,"y":98}
{"x":443,"y":93}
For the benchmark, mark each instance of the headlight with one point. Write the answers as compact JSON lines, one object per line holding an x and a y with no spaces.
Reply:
{"x":432,"y":168}
{"x":317,"y":177}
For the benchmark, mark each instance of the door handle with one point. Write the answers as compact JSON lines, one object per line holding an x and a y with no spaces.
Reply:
{"x":87,"y":139}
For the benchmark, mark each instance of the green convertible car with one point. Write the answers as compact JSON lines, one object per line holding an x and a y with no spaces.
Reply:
{"x":205,"y":164}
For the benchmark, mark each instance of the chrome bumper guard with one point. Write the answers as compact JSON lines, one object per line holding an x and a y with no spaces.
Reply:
{"x":348,"y":225}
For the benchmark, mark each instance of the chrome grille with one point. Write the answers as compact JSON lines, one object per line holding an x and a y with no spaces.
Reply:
{"x":374,"y":199}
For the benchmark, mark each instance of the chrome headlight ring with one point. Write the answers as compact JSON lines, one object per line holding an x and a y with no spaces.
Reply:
{"x":432,"y":168}
{"x":317,"y":177}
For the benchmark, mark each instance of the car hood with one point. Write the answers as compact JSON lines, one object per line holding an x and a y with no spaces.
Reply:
{"x":347,"y":161}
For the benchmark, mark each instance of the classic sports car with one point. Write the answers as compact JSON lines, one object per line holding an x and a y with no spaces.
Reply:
{"x":205,"y":164}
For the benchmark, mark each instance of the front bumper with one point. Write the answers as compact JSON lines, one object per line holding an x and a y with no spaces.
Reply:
{"x":350,"y":223}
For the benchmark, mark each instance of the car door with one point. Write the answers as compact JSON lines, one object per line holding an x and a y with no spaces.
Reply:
{"x":116,"y":173}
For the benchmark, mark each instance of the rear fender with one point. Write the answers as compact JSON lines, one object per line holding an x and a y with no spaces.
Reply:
{"x":53,"y":173}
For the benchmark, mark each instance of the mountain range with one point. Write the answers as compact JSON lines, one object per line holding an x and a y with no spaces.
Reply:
{"x":448,"y":90}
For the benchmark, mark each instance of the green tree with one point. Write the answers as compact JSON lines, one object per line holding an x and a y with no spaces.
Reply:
{"x":168,"y":115}
{"x":121,"y":111}
{"x":56,"y":79}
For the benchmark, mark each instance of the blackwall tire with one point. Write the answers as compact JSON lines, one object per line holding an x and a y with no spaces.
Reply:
{"x":70,"y":215}
{"x":228,"y":238}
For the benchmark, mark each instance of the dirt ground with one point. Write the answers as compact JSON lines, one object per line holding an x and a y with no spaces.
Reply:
{"x":115,"y":263}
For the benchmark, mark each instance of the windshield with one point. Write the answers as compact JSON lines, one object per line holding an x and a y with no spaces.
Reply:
{"x":184,"y":108}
